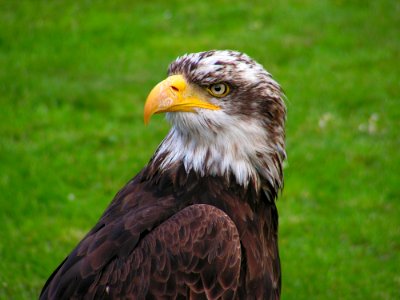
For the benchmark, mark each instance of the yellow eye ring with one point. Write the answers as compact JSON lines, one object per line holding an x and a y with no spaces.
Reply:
{"x":218,"y":90}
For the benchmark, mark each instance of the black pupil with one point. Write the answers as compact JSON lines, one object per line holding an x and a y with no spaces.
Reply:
{"x":218,"y":88}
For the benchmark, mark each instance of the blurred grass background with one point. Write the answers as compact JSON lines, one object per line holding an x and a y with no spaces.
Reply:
{"x":73,"y":79}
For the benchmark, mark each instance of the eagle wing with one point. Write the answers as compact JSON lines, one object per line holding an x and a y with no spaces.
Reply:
{"x":160,"y":251}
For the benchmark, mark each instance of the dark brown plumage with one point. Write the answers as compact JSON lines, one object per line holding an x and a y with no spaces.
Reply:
{"x":191,"y":225}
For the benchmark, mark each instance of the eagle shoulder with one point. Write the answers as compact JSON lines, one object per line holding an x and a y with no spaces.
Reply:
{"x":157,"y":249}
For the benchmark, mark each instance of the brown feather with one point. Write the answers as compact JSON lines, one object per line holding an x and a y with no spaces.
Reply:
{"x":207,"y":241}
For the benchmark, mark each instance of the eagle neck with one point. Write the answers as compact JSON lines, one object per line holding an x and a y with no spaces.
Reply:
{"x":243,"y":161}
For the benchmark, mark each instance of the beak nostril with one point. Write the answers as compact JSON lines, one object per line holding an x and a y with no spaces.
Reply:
{"x":174,"y":88}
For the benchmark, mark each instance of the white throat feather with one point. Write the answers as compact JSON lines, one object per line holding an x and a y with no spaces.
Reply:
{"x":215,"y":144}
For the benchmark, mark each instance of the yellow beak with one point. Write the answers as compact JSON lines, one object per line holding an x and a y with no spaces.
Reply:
{"x":174,"y":94}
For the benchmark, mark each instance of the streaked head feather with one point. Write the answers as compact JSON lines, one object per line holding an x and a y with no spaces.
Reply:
{"x":245,"y":138}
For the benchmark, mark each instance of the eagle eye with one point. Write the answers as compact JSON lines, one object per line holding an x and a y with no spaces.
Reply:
{"x":218,"y":90}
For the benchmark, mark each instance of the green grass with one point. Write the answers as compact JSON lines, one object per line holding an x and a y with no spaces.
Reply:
{"x":73,"y":79}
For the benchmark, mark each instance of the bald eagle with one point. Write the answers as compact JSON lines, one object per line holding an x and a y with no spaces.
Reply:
{"x":200,"y":220}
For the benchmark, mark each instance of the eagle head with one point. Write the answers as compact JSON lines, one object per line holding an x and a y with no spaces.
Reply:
{"x":227,"y":116}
